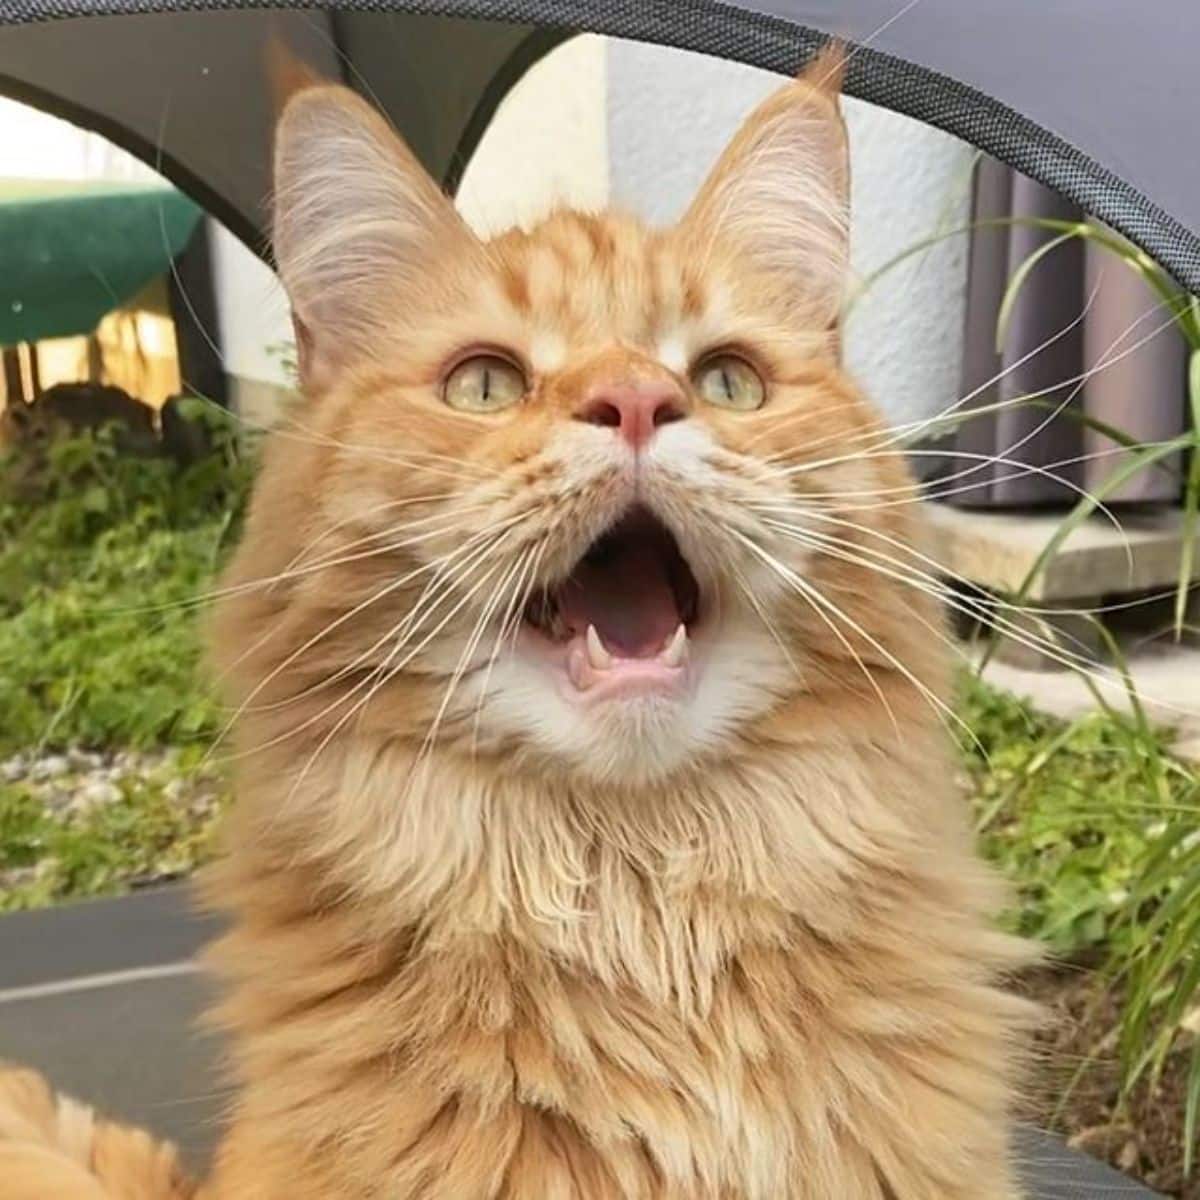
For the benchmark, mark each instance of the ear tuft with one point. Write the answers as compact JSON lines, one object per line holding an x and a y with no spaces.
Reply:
{"x":288,"y":73}
{"x":825,"y":72}
{"x":780,"y":192}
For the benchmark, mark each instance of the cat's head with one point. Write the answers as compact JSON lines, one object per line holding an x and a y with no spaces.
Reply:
{"x":570,"y":493}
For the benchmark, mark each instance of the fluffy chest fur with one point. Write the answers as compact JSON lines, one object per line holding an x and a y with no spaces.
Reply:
{"x":756,"y":996}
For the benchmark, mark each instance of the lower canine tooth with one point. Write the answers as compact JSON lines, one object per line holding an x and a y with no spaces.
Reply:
{"x":577,"y":669}
{"x":675,"y":651}
{"x":598,"y":656}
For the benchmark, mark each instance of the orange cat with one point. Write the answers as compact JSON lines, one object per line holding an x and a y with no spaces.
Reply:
{"x":597,"y":834}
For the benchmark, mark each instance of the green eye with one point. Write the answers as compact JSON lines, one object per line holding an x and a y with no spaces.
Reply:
{"x":729,"y":382}
{"x":484,"y":384}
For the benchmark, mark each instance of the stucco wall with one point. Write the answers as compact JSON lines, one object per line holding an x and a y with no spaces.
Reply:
{"x":546,"y":145}
{"x":669,"y":115}
{"x":255,"y":323}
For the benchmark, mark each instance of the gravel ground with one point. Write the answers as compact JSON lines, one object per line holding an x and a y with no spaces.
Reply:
{"x":82,"y":822}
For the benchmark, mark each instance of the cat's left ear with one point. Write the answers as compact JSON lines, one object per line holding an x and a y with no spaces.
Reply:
{"x":780,"y":193}
{"x":359,"y":227}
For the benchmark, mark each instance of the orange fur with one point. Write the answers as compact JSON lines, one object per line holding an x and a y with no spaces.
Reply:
{"x":53,"y":1148}
{"x":488,"y":946}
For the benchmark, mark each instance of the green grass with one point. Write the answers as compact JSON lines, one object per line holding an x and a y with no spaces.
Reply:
{"x":102,"y":560}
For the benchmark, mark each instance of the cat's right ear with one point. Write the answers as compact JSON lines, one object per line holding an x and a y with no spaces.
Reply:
{"x":357,"y":223}
{"x":780,"y":193}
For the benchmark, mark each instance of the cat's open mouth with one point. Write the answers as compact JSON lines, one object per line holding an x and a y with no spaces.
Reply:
{"x":624,"y":614}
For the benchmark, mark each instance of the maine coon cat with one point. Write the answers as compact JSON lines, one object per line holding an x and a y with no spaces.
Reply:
{"x":597,"y":835}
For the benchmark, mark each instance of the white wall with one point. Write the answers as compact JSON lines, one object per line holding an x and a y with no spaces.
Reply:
{"x":671,"y":112}
{"x":904,"y":333}
{"x":255,"y":319}
{"x":547,"y":144}
{"x":35,"y":145}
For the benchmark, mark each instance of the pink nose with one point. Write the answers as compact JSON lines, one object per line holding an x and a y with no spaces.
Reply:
{"x":635,"y":410}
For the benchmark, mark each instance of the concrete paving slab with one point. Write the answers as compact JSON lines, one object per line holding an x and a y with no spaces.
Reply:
{"x":996,"y":550}
{"x":1166,"y":679}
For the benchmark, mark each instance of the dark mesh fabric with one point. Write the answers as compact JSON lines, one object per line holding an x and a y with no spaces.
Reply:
{"x":771,"y":42}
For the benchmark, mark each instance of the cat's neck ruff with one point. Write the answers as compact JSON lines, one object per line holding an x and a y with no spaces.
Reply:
{"x":630,"y":885}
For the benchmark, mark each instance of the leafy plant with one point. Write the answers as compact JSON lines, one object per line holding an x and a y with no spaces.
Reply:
{"x":1155,"y":950}
{"x":1096,"y":821}
{"x":102,"y":557}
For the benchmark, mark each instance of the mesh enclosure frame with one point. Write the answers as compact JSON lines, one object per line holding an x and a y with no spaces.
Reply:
{"x":775,"y":44}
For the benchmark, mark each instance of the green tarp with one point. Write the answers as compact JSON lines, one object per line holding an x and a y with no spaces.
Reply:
{"x":72,"y":252}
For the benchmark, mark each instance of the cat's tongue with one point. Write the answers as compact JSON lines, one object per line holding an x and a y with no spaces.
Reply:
{"x":627,"y":595}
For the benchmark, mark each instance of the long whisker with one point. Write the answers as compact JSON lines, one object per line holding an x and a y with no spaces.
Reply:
{"x":930,"y":586}
{"x":936,"y":491}
{"x":385,"y":674}
{"x":274,"y":628}
{"x":482,"y":622}
{"x":443,"y":524}
{"x":419,"y":459}
{"x":452,"y":524}
{"x":1001,"y":457}
{"x":818,"y":605}
{"x":400,"y":630}
{"x":914,"y":430}
{"x":293,"y":429}
{"x":805,"y":513}
{"x":510,"y":621}
{"x":1105,"y":360}
{"x":813,"y":593}
{"x":436,"y":564}
{"x":977,"y":609}
{"x":752,"y":599}
{"x":266,"y":582}
{"x":359,"y":518}
{"x":1083,"y":493}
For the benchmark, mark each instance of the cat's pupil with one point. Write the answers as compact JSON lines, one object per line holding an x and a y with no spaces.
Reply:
{"x":728,"y":384}
{"x":487,"y":384}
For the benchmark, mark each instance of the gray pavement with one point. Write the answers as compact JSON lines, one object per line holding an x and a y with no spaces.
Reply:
{"x":104,"y":998}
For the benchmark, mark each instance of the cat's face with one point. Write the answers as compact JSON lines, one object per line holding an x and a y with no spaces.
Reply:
{"x":561,"y":489}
